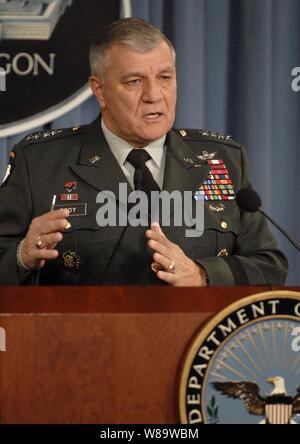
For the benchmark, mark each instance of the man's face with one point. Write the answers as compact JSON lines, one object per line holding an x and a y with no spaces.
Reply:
{"x":138,"y":93}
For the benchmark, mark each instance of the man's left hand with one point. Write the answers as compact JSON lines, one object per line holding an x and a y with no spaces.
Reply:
{"x":169,"y":255}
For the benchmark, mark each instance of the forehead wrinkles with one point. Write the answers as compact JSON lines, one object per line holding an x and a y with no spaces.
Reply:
{"x":129,"y":60}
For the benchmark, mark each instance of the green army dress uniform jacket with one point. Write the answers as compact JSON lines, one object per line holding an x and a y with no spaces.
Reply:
{"x":236,"y":247}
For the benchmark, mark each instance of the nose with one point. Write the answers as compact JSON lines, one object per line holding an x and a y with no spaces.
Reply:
{"x":152,"y":91}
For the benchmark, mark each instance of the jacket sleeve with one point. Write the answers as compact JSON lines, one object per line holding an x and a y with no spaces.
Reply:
{"x":15,"y":217}
{"x":256,"y":258}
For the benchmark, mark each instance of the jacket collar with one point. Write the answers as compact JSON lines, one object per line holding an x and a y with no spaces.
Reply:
{"x":98,"y":167}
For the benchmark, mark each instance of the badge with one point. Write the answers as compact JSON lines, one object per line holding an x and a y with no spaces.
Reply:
{"x":223,"y":252}
{"x":70,"y":186}
{"x":217,"y":207}
{"x":71,"y":260}
{"x":205,"y":155}
{"x":79,"y":209}
{"x":94,"y":159}
{"x":69,"y":197}
{"x":188,"y":161}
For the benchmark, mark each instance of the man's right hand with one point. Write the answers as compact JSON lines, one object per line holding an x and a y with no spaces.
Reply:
{"x":48,"y":230}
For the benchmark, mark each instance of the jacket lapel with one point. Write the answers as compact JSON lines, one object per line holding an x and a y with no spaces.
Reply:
{"x":184,"y":171}
{"x":98,"y":167}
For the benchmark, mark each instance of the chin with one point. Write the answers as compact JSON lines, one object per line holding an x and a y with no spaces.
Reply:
{"x":154,"y":133}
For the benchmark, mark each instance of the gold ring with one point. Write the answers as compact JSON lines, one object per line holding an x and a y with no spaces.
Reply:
{"x":172,"y":267}
{"x":155,"y":266}
{"x":38,"y":242}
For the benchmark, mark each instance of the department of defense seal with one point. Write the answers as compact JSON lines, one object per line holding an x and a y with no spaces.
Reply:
{"x":244,"y":365}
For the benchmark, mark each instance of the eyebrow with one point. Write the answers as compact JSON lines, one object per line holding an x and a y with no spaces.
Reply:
{"x":132,"y":74}
{"x":139,"y":74}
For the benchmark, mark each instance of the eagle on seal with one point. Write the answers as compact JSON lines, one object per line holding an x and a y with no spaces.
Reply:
{"x":278,"y":407}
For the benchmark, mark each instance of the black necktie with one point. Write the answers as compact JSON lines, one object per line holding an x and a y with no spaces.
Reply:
{"x":143,"y":179}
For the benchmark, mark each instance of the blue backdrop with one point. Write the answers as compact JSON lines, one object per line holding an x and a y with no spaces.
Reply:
{"x":234,"y":62}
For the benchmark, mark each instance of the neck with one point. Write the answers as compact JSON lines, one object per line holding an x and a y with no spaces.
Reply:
{"x":279,"y":390}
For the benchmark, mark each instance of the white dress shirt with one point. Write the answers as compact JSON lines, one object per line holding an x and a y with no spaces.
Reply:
{"x":120,"y":149}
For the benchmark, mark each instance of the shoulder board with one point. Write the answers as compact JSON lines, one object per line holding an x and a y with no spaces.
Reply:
{"x":194,"y":134}
{"x":42,"y":136}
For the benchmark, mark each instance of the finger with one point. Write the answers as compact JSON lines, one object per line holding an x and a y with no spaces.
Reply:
{"x":156,"y":227}
{"x":36,"y":222}
{"x":62,"y":212}
{"x":170,"y":278}
{"x":49,"y":240}
{"x":45,"y":254}
{"x":151,"y":234}
{"x":49,"y":227}
{"x":40,"y":264}
{"x":162,"y":260}
{"x":56,"y":214}
{"x":159,"y":248}
{"x":158,"y":236}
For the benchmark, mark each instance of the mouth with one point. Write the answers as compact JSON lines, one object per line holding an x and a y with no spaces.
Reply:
{"x":153,"y":116}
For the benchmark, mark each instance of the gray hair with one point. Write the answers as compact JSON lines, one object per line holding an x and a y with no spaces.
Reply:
{"x":134,"y":33}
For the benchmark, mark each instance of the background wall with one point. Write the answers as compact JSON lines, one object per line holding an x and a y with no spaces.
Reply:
{"x":234,"y":62}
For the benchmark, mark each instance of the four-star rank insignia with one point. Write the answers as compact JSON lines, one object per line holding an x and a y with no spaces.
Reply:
{"x":43,"y":135}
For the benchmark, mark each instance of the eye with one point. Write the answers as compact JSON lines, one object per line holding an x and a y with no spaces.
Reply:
{"x":133,"y":82}
{"x":165,"y":77}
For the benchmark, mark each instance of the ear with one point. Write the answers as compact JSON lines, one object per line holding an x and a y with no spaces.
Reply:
{"x":96,"y":85}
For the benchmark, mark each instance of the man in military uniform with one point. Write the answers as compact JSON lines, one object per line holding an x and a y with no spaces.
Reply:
{"x":48,"y":228}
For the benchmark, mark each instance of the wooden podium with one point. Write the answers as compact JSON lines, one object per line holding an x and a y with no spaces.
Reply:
{"x":100,"y":354}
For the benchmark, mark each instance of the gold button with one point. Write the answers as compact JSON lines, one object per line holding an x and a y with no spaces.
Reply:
{"x":183,"y":133}
{"x":223,"y":252}
{"x":224,"y":224}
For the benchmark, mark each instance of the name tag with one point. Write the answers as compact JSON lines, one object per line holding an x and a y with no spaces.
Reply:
{"x":79,"y":209}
